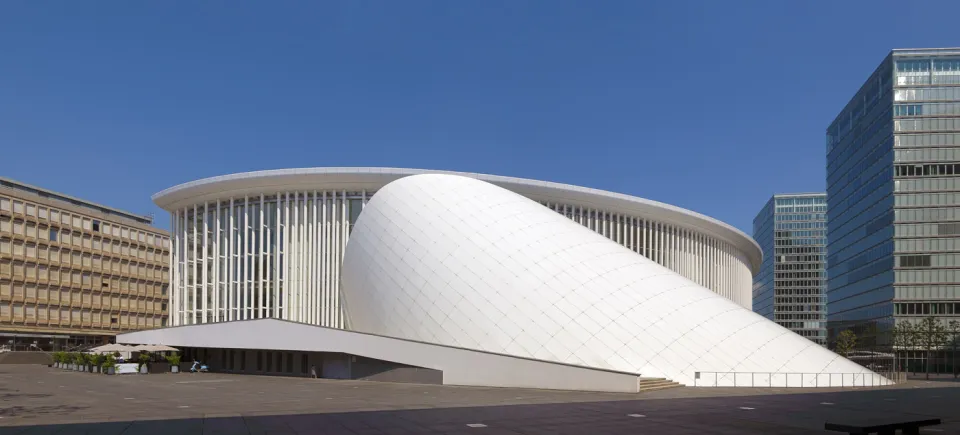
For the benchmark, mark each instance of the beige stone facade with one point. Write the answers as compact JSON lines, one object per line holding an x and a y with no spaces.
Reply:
{"x":74,"y":272}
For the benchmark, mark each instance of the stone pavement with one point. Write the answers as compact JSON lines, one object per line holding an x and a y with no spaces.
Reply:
{"x":41,"y":400}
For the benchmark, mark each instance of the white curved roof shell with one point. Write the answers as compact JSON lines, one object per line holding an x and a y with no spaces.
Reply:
{"x":458,"y":261}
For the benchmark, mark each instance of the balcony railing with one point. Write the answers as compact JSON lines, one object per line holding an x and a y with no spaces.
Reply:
{"x":795,"y":380}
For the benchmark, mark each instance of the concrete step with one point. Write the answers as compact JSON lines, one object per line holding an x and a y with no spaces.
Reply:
{"x":653,"y":384}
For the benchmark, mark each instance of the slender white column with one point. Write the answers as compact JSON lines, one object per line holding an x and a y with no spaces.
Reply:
{"x":287,"y":258}
{"x":259,"y":259}
{"x":216,"y":262}
{"x":675,"y":258}
{"x":335,"y":261}
{"x":682,"y":252}
{"x":723,"y":269}
{"x":621,"y":227}
{"x":193,"y":289}
{"x":662,"y":235}
{"x":607,"y":227}
{"x":266,"y":249}
{"x":294,"y":310}
{"x":644,"y":240}
{"x":655,"y":234}
{"x":276,"y":255}
{"x":231,"y":266}
{"x":174,"y":286}
{"x":686,"y":255}
{"x":245,"y":303}
{"x":302,"y":261}
{"x":671,"y":250}
{"x":699,"y":254}
{"x":324,"y":273}
{"x":344,"y":223}
{"x":314,"y":250}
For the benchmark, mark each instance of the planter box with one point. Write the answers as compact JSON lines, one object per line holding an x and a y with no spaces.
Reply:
{"x":144,"y":370}
{"x":174,"y":369}
{"x":111,"y":370}
{"x":96,"y":369}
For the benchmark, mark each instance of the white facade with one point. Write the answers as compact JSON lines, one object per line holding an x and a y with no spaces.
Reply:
{"x":459,"y":366}
{"x":460,"y":262}
{"x":270,"y":244}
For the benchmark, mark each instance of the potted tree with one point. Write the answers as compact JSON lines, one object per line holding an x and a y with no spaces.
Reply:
{"x":110,"y":365}
{"x":174,"y":361}
{"x":77,"y":361}
{"x":144,"y":360}
{"x":57,"y":359}
{"x":96,"y":361}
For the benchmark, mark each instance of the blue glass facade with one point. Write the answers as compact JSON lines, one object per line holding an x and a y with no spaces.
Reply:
{"x":790,"y":287}
{"x":892,"y":157}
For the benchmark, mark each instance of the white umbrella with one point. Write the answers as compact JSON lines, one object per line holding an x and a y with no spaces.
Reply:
{"x":153,"y":348}
{"x":109,"y":348}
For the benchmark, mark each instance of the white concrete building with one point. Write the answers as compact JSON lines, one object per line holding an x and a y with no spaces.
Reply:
{"x":270,"y":244}
{"x":470,"y":280}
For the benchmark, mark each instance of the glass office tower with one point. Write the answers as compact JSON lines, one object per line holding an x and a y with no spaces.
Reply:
{"x":789,"y":289}
{"x":893,"y":208}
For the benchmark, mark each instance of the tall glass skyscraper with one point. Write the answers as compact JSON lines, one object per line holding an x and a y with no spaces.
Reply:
{"x":893,"y":189}
{"x":789,"y":289}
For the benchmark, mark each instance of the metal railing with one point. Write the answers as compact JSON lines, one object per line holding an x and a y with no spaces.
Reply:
{"x":794,"y":380}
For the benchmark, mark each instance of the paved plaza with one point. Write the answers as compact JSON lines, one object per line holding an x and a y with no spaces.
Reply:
{"x":41,"y":400}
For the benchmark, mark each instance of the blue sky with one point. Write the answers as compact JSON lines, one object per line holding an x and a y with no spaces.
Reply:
{"x":713,"y":106}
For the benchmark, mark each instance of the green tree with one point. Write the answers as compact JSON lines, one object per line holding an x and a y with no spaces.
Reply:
{"x":846,"y":342}
{"x":901,"y":341}
{"x":932,"y":336}
{"x":954,"y":328}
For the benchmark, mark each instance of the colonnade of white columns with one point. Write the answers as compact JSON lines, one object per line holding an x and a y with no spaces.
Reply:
{"x":708,"y":261}
{"x":279,"y":255}
{"x":253,"y":257}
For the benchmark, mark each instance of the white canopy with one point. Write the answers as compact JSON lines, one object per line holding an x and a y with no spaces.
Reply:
{"x":153,"y":348}
{"x":108,"y":348}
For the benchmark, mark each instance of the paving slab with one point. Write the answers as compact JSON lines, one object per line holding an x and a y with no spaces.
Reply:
{"x":42,"y":400}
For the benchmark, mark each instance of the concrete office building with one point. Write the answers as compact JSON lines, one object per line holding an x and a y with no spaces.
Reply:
{"x":75,"y":273}
{"x":470,"y":279}
{"x":893,"y":197}
{"x":791,"y":285}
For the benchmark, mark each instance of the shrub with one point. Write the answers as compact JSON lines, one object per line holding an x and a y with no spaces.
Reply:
{"x":109,"y":361}
{"x":174,"y":359}
{"x":143,"y":359}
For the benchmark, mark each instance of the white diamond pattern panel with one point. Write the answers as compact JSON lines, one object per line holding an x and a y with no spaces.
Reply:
{"x":458,"y":261}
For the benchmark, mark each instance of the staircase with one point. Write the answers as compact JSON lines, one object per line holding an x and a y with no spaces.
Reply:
{"x":26,"y":357}
{"x":654,"y":384}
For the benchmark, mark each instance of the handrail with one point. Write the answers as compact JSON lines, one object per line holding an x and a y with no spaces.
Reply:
{"x":794,"y":379}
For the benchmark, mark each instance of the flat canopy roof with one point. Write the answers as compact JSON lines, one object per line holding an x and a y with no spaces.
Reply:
{"x":459,"y":366}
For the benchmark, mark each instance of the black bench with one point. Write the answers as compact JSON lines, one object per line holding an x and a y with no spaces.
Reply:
{"x":886,"y":428}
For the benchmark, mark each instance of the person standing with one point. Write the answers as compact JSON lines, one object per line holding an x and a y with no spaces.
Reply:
{"x":313,"y":371}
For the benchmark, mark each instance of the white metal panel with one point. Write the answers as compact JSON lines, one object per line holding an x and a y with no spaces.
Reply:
{"x":674,"y":327}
